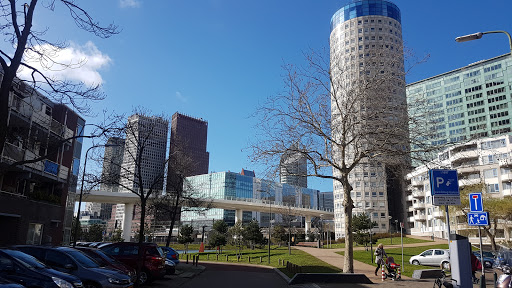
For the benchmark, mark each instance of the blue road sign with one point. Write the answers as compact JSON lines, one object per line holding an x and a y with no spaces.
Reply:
{"x":475,"y":202}
{"x":444,"y":182}
{"x":478,"y":218}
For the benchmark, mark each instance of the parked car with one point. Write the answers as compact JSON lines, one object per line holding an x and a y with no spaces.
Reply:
{"x":170,"y":267}
{"x":26,"y":270}
{"x":106,"y":261}
{"x":432,"y":257}
{"x":128,"y":252}
{"x":4,"y":283}
{"x":488,"y":261}
{"x":171,"y":254}
{"x":74,"y":262}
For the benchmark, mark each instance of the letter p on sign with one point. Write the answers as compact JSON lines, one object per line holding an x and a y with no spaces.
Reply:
{"x":439,"y":181}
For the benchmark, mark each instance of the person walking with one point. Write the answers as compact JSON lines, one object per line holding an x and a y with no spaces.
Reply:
{"x":379,"y":257}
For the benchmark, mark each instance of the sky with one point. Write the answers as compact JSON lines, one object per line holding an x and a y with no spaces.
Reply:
{"x":219,"y":59}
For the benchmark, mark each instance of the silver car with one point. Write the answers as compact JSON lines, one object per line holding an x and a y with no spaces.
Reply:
{"x":432,"y":257}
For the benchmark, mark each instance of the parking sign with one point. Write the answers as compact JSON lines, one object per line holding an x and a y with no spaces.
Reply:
{"x":444,"y":187}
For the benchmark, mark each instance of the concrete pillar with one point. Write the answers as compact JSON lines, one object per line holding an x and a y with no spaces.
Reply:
{"x":127,"y":221}
{"x":238,"y":215}
{"x":307,"y":224}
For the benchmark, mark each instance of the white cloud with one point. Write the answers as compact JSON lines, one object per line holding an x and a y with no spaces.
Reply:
{"x":180,"y":97}
{"x":129,"y":3}
{"x":74,"y":63}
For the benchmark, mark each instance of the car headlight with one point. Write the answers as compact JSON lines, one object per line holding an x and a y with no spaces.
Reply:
{"x":62,"y":283}
{"x":115,"y":281}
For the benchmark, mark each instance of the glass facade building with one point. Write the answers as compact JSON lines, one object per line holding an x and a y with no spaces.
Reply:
{"x":232,"y":186}
{"x":467,"y":103}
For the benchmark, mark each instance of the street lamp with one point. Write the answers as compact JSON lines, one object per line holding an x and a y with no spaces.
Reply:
{"x":479,"y":35}
{"x":75,"y":232}
{"x":391,"y":233}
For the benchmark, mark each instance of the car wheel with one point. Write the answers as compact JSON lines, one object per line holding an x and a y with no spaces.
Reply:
{"x":415,"y":262}
{"x":445,"y":265}
{"x":144,"y":277}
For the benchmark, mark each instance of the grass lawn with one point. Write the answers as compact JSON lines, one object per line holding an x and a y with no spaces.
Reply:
{"x":385,"y":241}
{"x":309,"y":263}
{"x":366,"y":257}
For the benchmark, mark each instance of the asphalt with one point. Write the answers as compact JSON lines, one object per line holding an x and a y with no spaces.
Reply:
{"x":214,"y":274}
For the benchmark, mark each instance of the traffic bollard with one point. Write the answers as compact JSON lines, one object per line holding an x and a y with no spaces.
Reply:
{"x":482,"y":281}
{"x":383,"y":273}
{"x":187,"y":258}
{"x":399,"y":273}
{"x":495,"y":279}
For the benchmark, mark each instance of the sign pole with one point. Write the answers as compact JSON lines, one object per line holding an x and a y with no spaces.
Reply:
{"x":447,"y":222}
{"x":481,"y":251}
{"x":402,"y":241}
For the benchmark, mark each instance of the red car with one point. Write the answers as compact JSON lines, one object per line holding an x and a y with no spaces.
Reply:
{"x":106,"y":261}
{"x":128,"y":252}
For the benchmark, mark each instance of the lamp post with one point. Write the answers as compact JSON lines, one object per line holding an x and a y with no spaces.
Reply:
{"x":479,"y":35}
{"x":75,"y":232}
{"x":391,"y":233}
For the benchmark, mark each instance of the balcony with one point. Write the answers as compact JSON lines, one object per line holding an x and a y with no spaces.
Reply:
{"x":420,"y":217}
{"x":41,"y":118}
{"x":438,"y":214}
{"x":505,"y":162}
{"x":410,"y":219}
{"x":416,"y":183}
{"x":467,"y":182}
{"x":409,"y":197}
{"x":29,"y":155}
{"x":418,"y":205}
{"x":463,"y":156}
{"x":19,"y":105}
{"x":506,"y":177}
{"x":418,"y":194}
{"x":12,"y":153}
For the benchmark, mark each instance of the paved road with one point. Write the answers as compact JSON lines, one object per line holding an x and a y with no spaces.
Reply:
{"x":236,"y":276}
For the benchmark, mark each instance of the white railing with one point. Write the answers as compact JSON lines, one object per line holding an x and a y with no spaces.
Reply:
{"x":274,"y":203}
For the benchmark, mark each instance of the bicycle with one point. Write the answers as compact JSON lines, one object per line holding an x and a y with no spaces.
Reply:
{"x":442,"y":282}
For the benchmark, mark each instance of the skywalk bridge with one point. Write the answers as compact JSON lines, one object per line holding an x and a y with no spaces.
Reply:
{"x":229,"y":203}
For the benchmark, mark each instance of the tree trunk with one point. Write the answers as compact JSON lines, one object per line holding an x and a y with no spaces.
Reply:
{"x":348,"y":266}
{"x":174,"y":212}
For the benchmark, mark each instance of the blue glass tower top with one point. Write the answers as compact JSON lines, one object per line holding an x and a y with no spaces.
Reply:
{"x":365,"y":8}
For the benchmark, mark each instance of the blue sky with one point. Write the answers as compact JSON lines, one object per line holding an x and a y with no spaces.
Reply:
{"x":217,"y":59}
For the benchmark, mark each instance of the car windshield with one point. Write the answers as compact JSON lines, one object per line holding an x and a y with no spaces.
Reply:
{"x":82,"y":259}
{"x":25,"y":259}
{"x":161,"y":251}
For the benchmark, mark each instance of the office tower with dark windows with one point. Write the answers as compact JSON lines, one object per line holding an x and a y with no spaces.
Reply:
{"x":189,"y":136}
{"x":366,"y":50}
{"x":293,"y":169}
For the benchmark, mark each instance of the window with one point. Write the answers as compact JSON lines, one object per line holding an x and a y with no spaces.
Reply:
{"x":493,"y":188}
{"x":491,"y":173}
{"x":427,"y":253}
{"x":35,"y":233}
{"x":58,"y":259}
{"x":439,"y":252}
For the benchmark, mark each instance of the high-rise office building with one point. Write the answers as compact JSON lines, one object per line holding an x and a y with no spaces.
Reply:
{"x":467,"y":103}
{"x":189,"y":135}
{"x":367,"y":50}
{"x":112,"y":159}
{"x":293,"y":169}
{"x":150,"y":133}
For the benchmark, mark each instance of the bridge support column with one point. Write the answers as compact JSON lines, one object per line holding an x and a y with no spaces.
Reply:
{"x":238,"y":215}
{"x":127,"y":221}
{"x":307,"y":225}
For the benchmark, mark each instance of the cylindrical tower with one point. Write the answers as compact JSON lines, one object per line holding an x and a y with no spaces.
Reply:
{"x":368,"y":103}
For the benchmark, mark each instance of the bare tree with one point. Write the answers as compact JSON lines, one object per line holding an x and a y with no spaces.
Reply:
{"x":27,"y":44}
{"x":339,"y":122}
{"x":180,"y":194}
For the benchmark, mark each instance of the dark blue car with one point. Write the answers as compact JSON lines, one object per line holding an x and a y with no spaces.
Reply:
{"x":26,"y":270}
{"x":171,"y":254}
